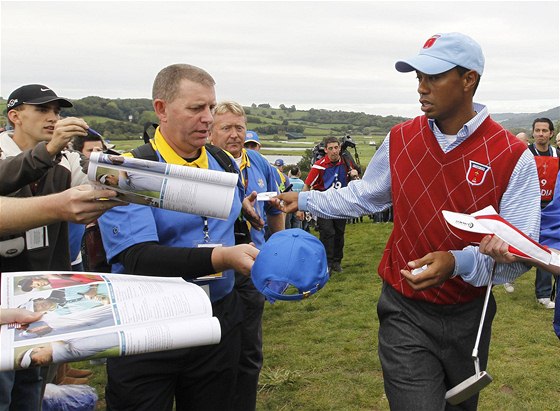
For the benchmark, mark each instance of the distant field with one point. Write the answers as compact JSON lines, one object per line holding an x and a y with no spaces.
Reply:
{"x":127,"y":145}
{"x":365,"y":151}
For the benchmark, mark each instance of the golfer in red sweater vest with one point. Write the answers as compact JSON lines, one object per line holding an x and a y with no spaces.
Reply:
{"x":456,"y":158}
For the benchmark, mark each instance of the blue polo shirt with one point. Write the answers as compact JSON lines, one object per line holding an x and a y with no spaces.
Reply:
{"x":123,"y":227}
{"x":297,"y":184}
{"x":550,"y":236}
{"x":258,"y":175}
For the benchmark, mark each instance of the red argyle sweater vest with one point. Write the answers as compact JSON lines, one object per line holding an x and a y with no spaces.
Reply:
{"x":425,"y":181}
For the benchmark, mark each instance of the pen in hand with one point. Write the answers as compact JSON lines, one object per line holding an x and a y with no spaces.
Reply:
{"x":95,"y":133}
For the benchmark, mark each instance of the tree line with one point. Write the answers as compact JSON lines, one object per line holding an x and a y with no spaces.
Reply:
{"x":362,"y":122}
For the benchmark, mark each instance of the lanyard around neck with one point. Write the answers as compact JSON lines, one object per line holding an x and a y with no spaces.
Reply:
{"x":205,"y":230}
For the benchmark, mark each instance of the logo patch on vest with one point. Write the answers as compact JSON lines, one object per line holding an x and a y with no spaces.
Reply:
{"x":477,"y":173}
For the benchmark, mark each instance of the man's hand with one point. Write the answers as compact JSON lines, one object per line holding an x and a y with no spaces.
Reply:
{"x":286,"y":202}
{"x":440,"y":266}
{"x":18,"y":315}
{"x":239,"y":258}
{"x":354,"y":174}
{"x":300,"y":215}
{"x":498,"y":249}
{"x":64,"y":130}
{"x":249,"y":212}
{"x":83,"y":204}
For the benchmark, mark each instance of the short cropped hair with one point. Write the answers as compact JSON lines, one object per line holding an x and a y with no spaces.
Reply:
{"x":329,"y":140}
{"x":167,"y":81}
{"x":544,"y":120}
{"x":78,"y":142}
{"x":462,"y":70}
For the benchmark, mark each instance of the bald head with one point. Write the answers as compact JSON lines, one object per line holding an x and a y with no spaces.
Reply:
{"x":523,"y":137}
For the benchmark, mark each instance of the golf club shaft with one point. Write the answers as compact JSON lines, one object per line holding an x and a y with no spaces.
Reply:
{"x":483,"y":315}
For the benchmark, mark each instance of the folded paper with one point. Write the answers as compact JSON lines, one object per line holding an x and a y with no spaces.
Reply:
{"x":474,"y":227}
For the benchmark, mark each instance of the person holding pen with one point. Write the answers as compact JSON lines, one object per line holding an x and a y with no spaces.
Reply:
{"x":34,"y":163}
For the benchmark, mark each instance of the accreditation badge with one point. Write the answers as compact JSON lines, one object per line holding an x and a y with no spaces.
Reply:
{"x":209,"y":277}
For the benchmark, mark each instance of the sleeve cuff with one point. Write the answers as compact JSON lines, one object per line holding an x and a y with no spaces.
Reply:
{"x":464,"y":263}
{"x":302,"y":200}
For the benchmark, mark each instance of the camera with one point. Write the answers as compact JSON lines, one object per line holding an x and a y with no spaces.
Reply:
{"x":318,"y":151}
{"x":346,"y":142}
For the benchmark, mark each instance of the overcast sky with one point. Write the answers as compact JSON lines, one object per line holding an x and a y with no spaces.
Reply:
{"x":338,"y":55}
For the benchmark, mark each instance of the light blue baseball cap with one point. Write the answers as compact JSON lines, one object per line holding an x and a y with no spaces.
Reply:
{"x":290,"y":257}
{"x":251,"y":136}
{"x":444,"y":51}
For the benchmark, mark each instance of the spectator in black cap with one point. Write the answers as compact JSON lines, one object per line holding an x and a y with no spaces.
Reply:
{"x":34,"y":94}
{"x":33,"y":111}
{"x":33,"y":164}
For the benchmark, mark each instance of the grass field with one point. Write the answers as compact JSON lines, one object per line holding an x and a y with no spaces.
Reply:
{"x":321,"y":353}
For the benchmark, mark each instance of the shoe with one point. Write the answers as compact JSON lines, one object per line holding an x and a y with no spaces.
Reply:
{"x":509,"y":287}
{"x":336,"y":267}
{"x":546,"y":302}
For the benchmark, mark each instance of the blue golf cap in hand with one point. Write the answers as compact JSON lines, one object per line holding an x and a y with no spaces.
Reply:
{"x":290,"y":257}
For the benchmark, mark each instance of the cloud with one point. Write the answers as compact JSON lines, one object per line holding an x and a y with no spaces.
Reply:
{"x":337,"y":54}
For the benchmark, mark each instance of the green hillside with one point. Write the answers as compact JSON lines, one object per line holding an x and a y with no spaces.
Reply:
{"x":120,"y":119}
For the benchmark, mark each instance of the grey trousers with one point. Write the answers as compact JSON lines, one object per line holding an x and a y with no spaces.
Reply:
{"x":425,"y":349}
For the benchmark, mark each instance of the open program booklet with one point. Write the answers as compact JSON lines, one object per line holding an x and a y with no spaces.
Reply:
{"x":93,"y":315}
{"x":170,"y":186}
